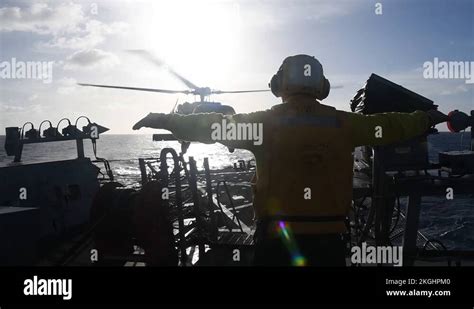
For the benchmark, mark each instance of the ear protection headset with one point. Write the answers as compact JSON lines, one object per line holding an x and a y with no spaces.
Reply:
{"x":300,"y":74}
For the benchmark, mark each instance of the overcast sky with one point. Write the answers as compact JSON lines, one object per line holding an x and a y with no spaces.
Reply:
{"x":227,"y":45}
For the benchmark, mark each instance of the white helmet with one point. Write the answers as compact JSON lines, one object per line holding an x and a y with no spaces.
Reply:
{"x":300,"y":74}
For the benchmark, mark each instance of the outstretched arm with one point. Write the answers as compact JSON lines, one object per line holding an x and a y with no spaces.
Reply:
{"x":191,"y":128}
{"x":201,"y":127}
{"x":388,"y":128}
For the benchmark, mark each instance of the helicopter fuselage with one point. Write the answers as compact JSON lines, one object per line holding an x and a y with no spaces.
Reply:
{"x":187,"y":108}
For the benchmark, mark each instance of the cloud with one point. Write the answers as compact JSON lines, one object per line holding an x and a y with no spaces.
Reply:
{"x":456,"y":90}
{"x":11,"y":108}
{"x":91,"y":59}
{"x":268,"y":15}
{"x":66,"y":85}
{"x":323,"y":11}
{"x":19,"y":108}
{"x":33,"y":97}
{"x":69,"y":27}
{"x":41,"y":18}
{"x":93,"y":33}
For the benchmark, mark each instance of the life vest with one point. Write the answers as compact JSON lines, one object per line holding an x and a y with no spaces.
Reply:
{"x":304,"y":176}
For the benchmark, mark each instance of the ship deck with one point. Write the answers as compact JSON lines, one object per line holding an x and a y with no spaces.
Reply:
{"x":241,"y":222}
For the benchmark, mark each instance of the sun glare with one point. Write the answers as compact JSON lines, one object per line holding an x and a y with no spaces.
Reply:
{"x":198,"y":39}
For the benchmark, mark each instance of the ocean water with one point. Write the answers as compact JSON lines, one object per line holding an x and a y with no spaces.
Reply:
{"x":123,"y":151}
{"x":452,"y":222}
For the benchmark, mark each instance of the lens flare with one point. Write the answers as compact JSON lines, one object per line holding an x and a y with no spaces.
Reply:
{"x":284,"y":231}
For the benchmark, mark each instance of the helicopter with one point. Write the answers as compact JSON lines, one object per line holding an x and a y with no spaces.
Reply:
{"x":204,"y":105}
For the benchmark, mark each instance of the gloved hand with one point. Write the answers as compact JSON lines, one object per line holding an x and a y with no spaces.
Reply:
{"x":152,"y":120}
{"x":436,"y":117}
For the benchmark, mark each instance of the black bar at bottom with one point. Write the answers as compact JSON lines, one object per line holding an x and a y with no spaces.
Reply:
{"x":352,"y":285}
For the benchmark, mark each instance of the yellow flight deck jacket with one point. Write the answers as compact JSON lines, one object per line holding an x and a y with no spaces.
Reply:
{"x":305,"y":163}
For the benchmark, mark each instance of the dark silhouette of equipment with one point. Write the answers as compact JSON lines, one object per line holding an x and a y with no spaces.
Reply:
{"x":380,"y":95}
{"x":57,"y":193}
{"x":459,"y":121}
{"x":16,"y":137}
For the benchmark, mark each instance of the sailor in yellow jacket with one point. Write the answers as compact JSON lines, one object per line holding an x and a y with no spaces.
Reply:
{"x":304,"y":159}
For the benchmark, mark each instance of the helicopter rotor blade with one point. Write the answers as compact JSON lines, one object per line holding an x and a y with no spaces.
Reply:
{"x":174,"y":107}
{"x":182,"y":79}
{"x":237,"y":91}
{"x":137,"y":88}
{"x":156,"y":61}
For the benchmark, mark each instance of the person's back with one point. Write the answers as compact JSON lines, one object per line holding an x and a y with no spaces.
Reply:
{"x":303,"y":188}
{"x":306,"y":166}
